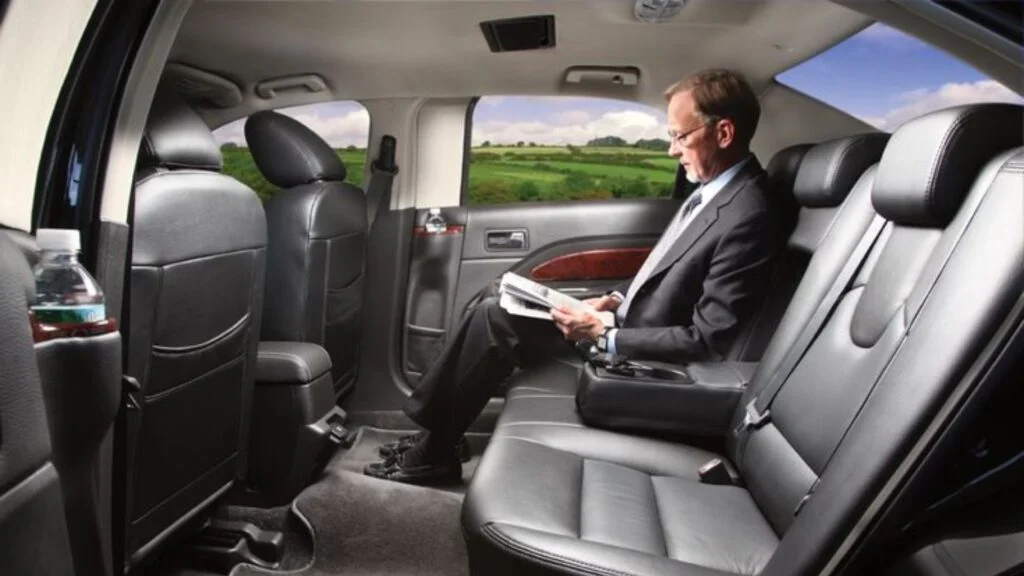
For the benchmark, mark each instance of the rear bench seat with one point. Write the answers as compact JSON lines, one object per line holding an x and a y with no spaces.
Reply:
{"x":949,"y":263}
{"x":824,"y":179}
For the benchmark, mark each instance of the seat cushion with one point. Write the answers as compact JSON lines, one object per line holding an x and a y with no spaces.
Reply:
{"x":552,"y":377}
{"x":536,"y":509}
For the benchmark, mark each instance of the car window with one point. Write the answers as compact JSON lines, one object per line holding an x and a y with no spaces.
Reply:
{"x":885,"y":77}
{"x":345,"y":125}
{"x":539,"y":148}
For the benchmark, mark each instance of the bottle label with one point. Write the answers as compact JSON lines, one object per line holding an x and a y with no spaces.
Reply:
{"x":81,"y":314}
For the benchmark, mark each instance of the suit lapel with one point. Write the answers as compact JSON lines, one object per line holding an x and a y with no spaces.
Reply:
{"x":708,"y":216}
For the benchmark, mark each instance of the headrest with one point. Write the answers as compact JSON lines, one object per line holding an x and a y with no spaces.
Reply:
{"x":830,"y":169}
{"x":288,"y":153}
{"x":177,"y":137}
{"x":782,"y":169}
{"x":932,"y":160}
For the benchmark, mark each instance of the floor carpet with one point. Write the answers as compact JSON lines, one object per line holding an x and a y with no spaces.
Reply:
{"x":362,"y":526}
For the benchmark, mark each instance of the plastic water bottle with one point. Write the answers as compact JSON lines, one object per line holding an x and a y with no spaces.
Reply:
{"x":435,"y":223}
{"x":69,"y":302}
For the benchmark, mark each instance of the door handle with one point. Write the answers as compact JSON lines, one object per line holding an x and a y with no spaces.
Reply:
{"x":506,"y":240}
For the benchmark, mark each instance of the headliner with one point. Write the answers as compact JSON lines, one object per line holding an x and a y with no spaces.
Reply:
{"x":369,"y":49}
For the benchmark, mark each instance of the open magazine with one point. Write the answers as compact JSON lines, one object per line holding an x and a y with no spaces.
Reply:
{"x":523,"y":297}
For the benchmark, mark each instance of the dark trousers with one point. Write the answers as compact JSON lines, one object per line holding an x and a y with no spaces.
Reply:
{"x":488,"y":345}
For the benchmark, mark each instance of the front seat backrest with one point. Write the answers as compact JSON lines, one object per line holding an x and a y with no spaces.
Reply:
{"x":316,"y":227}
{"x":197,"y":272}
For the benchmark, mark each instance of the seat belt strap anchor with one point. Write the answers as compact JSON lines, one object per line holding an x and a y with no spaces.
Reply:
{"x":752,"y":419}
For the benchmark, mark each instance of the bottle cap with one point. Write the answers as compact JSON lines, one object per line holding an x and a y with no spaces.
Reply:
{"x":58,"y":239}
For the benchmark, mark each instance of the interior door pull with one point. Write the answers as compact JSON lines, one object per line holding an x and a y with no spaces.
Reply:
{"x":506,"y":240}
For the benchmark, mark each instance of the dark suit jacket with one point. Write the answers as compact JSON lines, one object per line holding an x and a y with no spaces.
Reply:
{"x":710,"y":282}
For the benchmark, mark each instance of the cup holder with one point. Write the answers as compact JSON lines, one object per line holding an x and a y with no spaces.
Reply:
{"x":649,"y":371}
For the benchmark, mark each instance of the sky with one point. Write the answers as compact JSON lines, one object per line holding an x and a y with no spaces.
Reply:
{"x":880,"y":75}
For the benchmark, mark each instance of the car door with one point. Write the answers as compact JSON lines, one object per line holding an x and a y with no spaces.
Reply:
{"x":578,"y":214}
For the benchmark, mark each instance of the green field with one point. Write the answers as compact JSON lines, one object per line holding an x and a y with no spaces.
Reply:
{"x":505,"y":174}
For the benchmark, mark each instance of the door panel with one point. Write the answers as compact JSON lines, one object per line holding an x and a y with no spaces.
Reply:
{"x":585,"y":248}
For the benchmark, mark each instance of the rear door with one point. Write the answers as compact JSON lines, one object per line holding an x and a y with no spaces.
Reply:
{"x":570,"y":192}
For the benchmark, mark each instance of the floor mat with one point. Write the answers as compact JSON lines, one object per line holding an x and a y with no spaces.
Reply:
{"x":364,"y":451}
{"x":362,"y":526}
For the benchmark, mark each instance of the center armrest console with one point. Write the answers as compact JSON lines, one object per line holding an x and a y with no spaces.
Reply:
{"x":698,"y":398}
{"x":295,"y":422}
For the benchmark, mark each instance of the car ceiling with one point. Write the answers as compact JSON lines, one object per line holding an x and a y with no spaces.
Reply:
{"x":367,"y":49}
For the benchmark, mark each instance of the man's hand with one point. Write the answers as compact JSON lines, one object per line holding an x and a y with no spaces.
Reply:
{"x":606,"y":302}
{"x":577,"y":324}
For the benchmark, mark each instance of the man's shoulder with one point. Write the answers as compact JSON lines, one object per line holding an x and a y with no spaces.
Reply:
{"x":752,"y":192}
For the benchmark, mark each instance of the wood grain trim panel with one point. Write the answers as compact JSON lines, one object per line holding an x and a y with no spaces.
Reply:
{"x":604,"y":264}
{"x":453,"y":230}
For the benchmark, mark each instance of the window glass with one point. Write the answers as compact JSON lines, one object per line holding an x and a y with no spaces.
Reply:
{"x":885,"y":77}
{"x":539,"y":148}
{"x":344,"y":125}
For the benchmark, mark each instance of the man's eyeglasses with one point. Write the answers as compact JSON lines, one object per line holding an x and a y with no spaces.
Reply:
{"x":682,"y":138}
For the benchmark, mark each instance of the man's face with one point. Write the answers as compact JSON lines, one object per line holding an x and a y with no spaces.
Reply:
{"x":694,"y":143}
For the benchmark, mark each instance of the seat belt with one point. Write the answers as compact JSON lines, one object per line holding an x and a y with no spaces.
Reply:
{"x":382,"y":174}
{"x":758,"y":410}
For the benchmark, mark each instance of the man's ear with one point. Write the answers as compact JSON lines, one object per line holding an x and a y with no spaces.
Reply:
{"x":725,"y":133}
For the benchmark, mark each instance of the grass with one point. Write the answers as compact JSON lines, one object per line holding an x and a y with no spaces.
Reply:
{"x":520,"y":174}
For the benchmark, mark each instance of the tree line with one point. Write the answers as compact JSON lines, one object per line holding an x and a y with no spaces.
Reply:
{"x":602,"y":142}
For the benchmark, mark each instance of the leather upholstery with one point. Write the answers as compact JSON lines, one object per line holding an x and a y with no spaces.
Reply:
{"x":830,"y":169}
{"x":316,"y":244}
{"x":925,"y":174}
{"x":595,"y":516}
{"x":293,"y":363}
{"x":562,"y":498}
{"x":781,"y":174}
{"x":695,"y":399}
{"x":177,"y":137}
{"x":32,"y":521}
{"x":288,"y":153}
{"x":198,"y":264}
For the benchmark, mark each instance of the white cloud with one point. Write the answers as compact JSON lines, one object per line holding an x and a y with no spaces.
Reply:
{"x":338,"y":130}
{"x":921,"y":101}
{"x":630,"y":125}
{"x":342,"y":130}
{"x":572,"y":117}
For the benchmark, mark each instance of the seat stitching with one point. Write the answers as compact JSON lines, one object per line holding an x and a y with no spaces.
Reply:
{"x":657,"y":516}
{"x":503,"y":541}
{"x":583,"y":486}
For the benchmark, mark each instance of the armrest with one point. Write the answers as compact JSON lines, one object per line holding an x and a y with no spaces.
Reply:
{"x":699,"y":398}
{"x":290,"y":363}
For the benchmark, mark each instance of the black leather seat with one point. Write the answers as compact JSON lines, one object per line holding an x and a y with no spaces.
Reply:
{"x":33,"y":528}
{"x":316,"y":228}
{"x":198,"y":263}
{"x":808,"y":184}
{"x":945,"y":270}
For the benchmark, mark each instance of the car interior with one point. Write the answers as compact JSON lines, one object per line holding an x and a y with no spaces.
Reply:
{"x":861,"y":423}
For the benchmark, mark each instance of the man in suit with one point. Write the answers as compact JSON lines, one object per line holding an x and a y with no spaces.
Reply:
{"x":699,"y":285}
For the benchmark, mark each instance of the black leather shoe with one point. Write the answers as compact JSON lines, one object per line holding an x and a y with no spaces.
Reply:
{"x":405,"y":442}
{"x":394,"y":469}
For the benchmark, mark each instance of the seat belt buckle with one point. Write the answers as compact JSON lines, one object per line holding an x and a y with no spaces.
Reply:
{"x":716,"y":472}
{"x":752,"y":419}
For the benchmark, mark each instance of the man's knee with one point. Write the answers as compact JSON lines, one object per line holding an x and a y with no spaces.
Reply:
{"x":488,"y":308}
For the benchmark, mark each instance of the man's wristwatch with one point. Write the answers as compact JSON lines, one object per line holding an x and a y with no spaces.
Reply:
{"x":602,"y":341}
